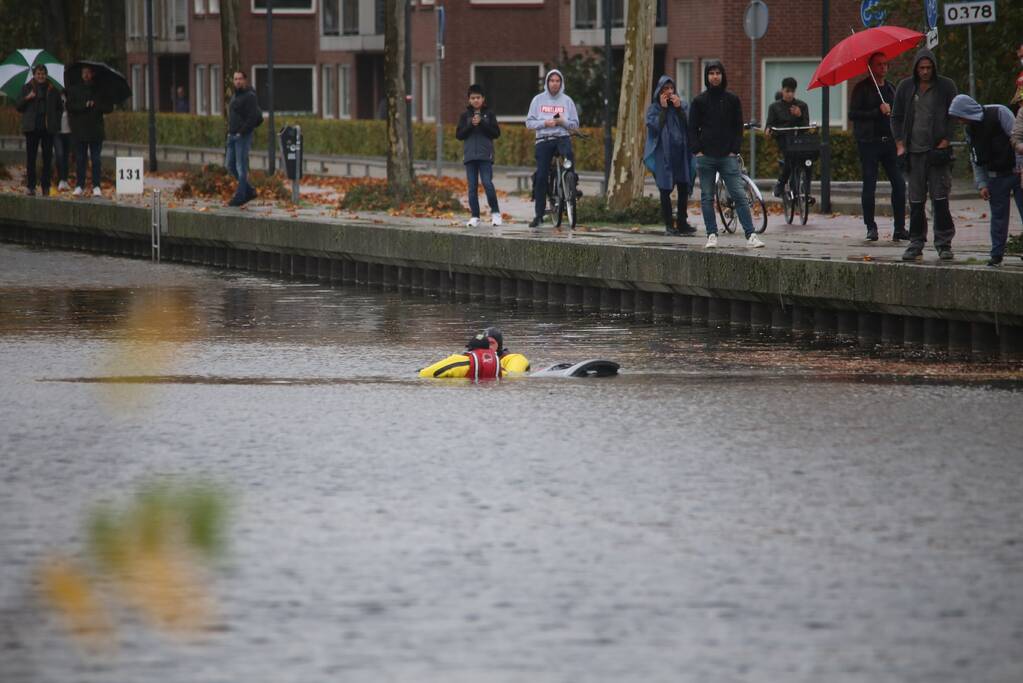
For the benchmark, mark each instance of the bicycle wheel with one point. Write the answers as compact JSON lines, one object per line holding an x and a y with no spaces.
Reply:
{"x":804,"y":197}
{"x":726,"y":207}
{"x":757,"y":208}
{"x":570,"y":197}
{"x":788,"y":195}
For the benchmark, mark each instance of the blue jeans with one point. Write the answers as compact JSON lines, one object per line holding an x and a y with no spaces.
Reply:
{"x":544,"y":153}
{"x":728,"y":167}
{"x":1002,"y":192}
{"x":83,"y":152}
{"x":883,"y":153}
{"x":481,"y":172}
{"x":238,"y":147}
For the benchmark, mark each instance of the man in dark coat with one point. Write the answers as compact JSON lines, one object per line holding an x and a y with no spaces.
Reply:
{"x":244,"y":116}
{"x":923,"y":130}
{"x":86,"y":106}
{"x":40,"y":107}
{"x":871,"y":116}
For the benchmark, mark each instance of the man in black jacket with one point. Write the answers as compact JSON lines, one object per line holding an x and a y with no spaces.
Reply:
{"x":715,"y":137}
{"x":477,"y":129}
{"x":923,"y":130}
{"x":40,"y":107}
{"x":244,"y":116}
{"x":871,"y":114}
{"x":786,"y":112}
{"x":86,"y":106}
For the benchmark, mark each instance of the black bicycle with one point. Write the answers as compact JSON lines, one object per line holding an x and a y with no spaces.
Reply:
{"x":802,"y":148}
{"x":563,"y":188}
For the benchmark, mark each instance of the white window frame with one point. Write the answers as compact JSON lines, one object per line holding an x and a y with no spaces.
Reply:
{"x":344,"y":89}
{"x":328,"y":81}
{"x":213,"y":7}
{"x":686,"y":64}
{"x":765,"y":89}
{"x":311,"y":10}
{"x":138,"y":87}
{"x":429,"y":88}
{"x":315,"y":85}
{"x":539,"y":78}
{"x":172,"y":19}
{"x":201,"y":95}
{"x":199,"y":7}
{"x":216,"y":90}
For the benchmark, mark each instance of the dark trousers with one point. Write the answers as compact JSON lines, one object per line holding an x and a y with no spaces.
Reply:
{"x":924,"y":179}
{"x":544,"y":153}
{"x":872,"y":155}
{"x":33,"y":140}
{"x":1002,"y":191}
{"x":84,"y":151}
{"x":683,"y":197}
{"x":62,"y":150}
{"x":481,"y":172}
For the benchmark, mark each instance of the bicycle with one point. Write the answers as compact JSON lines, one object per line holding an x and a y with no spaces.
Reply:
{"x":562,"y":188}
{"x":800,"y":151}
{"x":754,"y":198}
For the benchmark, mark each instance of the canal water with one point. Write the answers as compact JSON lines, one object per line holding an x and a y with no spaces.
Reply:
{"x":727,"y":509}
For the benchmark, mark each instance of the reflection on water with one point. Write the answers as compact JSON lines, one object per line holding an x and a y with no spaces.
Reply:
{"x":727,"y":509}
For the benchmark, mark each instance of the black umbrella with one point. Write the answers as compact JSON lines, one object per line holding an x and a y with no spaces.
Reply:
{"x":111,"y":84}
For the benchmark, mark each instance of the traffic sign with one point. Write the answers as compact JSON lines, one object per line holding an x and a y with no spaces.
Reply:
{"x":932,"y":38}
{"x":871,"y":15}
{"x":931,"y":13}
{"x":958,"y":13}
{"x":755,"y":20}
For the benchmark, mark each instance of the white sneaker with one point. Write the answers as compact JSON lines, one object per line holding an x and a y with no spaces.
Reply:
{"x":754,"y":241}
{"x":712,"y":241}
{"x":496,"y":220}
{"x":63,"y":186}
{"x":96,"y":192}
{"x":78,"y":192}
{"x":472,"y":222}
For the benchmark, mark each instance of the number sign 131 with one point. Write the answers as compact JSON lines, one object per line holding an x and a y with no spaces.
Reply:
{"x":129,"y":175}
{"x":969,"y":12}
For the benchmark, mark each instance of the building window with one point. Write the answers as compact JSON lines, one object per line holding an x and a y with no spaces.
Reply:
{"x":201,"y":98}
{"x":684,"y":79}
{"x":509,"y":87}
{"x":285,"y":7}
{"x":200,"y":7}
{"x":589,"y":14}
{"x":429,"y":87}
{"x":340,"y":17}
{"x":294,"y":90}
{"x":135,"y":18}
{"x":329,"y":92}
{"x":216,"y":90}
{"x":176,"y":19}
{"x":138,"y":87}
{"x":214,"y":7}
{"x":331,"y":18}
{"x":346,"y":91}
{"x":378,"y":12}
{"x":774,"y":70}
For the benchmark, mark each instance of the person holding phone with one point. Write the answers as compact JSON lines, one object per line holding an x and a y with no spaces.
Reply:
{"x":552,"y":114}
{"x":477,"y":129}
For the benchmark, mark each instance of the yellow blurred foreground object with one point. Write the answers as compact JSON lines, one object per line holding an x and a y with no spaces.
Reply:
{"x":69,"y":590}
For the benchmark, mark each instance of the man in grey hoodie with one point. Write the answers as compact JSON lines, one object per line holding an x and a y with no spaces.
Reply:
{"x":553,"y":116}
{"x":923,"y":130}
{"x":988,"y":131}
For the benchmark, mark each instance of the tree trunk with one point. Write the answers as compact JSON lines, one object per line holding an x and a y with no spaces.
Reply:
{"x":399,"y":156}
{"x":230,"y":53}
{"x":627,"y":171}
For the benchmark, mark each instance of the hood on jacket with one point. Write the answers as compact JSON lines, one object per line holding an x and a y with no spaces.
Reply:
{"x":715,"y":64}
{"x":548,"y":78}
{"x":924,"y":54}
{"x":661,"y":82}
{"x":965,"y":107}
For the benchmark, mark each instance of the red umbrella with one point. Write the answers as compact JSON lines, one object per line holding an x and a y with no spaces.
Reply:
{"x":849,"y":58}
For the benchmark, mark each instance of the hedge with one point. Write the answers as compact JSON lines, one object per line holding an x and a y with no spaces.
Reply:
{"x":369,"y":138}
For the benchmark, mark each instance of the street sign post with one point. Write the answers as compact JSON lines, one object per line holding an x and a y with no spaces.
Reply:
{"x":441,"y":25}
{"x":755,"y":24}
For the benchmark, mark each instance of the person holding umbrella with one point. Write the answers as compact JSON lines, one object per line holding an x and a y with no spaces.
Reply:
{"x":86,"y":107}
{"x":40,"y":107}
{"x":870,"y":111}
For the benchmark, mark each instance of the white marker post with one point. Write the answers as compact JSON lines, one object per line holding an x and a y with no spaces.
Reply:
{"x":129,"y":175}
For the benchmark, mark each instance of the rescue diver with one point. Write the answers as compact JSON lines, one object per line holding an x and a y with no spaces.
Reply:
{"x":485,"y":357}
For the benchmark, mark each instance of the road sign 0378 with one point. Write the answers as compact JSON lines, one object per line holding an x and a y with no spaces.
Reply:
{"x":969,"y":12}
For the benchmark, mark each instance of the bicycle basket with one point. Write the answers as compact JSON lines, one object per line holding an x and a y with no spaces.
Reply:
{"x":803,"y":145}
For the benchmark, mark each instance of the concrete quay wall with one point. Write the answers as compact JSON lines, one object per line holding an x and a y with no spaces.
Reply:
{"x":966,"y":311}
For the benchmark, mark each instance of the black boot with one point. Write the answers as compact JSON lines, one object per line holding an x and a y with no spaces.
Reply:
{"x":944,"y":229}
{"x":682,"y":226}
{"x":917,"y":232}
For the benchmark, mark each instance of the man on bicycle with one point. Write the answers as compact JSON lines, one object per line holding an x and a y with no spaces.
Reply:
{"x":553,"y":116}
{"x":786,"y":113}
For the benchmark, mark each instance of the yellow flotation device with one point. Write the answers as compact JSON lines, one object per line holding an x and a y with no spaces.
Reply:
{"x":457,"y":365}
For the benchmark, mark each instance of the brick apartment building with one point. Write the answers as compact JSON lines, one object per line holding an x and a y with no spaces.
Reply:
{"x":328,"y":54}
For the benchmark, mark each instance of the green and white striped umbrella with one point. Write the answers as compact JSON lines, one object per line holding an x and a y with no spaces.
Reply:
{"x":16,"y":70}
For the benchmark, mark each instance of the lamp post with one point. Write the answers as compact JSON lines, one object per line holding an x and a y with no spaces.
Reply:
{"x":151,"y":90}
{"x":825,"y":117}
{"x":606,"y":19}
{"x":271,"y":148}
